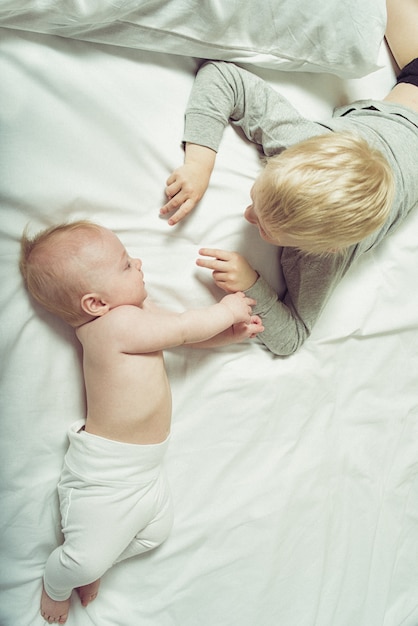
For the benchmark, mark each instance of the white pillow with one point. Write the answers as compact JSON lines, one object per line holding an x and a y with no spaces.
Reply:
{"x":333,"y":36}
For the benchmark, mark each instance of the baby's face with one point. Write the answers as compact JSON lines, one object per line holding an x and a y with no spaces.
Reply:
{"x":117,"y":276}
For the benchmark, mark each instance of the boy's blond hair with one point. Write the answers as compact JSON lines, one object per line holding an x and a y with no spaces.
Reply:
{"x":53,"y":270}
{"x":327,"y":192}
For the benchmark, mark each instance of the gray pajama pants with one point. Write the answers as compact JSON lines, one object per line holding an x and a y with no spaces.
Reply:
{"x":115,"y":503}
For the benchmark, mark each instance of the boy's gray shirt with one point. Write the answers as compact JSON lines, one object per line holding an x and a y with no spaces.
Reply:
{"x":222,"y":93}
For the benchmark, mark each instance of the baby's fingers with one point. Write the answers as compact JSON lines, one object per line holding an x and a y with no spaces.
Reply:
{"x":255,"y":326}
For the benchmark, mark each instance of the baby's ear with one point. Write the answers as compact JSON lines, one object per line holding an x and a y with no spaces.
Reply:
{"x":92,"y":304}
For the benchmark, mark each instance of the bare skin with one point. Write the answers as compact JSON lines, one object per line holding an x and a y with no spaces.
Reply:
{"x":56,"y":611}
{"x":123,"y":336}
{"x":88,"y":593}
{"x":401,"y":30}
{"x":402,"y":39}
{"x":129,"y":364}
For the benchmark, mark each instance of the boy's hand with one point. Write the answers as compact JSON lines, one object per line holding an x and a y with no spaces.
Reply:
{"x":230,"y":271}
{"x":240,"y":306}
{"x":187,"y":184}
{"x":185,"y":187}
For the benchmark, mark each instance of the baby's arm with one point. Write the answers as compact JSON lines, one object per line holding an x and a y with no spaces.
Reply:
{"x":139,"y":331}
{"x":233,"y":334}
{"x":203,"y":324}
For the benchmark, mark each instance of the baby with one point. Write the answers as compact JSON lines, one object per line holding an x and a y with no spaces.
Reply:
{"x":114,"y":497}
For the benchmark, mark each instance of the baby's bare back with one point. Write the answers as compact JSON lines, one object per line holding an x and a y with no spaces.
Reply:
{"x":128,"y":395}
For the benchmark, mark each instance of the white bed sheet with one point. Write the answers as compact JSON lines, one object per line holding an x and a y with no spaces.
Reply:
{"x":294,"y":479}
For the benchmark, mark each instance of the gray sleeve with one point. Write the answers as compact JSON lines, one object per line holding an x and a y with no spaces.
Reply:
{"x":223,"y":92}
{"x":310,"y":281}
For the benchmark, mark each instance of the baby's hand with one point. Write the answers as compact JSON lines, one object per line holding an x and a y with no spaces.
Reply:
{"x":243,"y":331}
{"x":230,"y":271}
{"x":240,"y":306}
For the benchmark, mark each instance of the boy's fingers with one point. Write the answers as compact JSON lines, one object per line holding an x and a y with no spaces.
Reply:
{"x":208,"y":263}
{"x":181,"y":212}
{"x":215,"y":264}
{"x":170,"y":180}
{"x":173,"y":186}
{"x":174,"y":203}
{"x":221,"y":255}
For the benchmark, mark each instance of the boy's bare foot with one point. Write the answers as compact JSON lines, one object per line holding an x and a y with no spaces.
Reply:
{"x":54,"y":611}
{"x":88,"y":593}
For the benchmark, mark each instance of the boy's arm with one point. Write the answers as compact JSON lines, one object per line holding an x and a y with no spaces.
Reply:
{"x":310,"y":281}
{"x":188,"y":183}
{"x":223,"y":92}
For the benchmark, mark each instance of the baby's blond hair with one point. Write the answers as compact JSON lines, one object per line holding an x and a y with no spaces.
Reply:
{"x":52,"y":267}
{"x":327,"y":192}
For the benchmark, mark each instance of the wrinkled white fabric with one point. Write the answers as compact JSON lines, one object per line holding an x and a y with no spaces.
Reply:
{"x":337,"y":37}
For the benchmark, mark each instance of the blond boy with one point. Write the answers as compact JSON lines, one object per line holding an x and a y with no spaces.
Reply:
{"x":331,"y":190}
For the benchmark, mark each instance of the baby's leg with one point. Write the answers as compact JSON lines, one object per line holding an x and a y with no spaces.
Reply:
{"x":54,"y":611}
{"x":157,"y":530}
{"x":88,"y":593}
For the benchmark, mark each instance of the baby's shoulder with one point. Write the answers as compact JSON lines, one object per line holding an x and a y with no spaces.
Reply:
{"x":104,"y":326}
{"x":122,"y":312}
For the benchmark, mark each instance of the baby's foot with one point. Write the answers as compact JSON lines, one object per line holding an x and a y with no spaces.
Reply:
{"x":54,"y":611}
{"x":88,"y":593}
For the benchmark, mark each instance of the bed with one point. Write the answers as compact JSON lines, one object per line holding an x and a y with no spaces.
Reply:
{"x":294,"y":479}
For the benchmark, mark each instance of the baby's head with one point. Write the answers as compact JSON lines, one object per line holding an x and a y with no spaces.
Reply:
{"x":323,"y":194}
{"x":55,"y":265}
{"x":80,"y":271}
